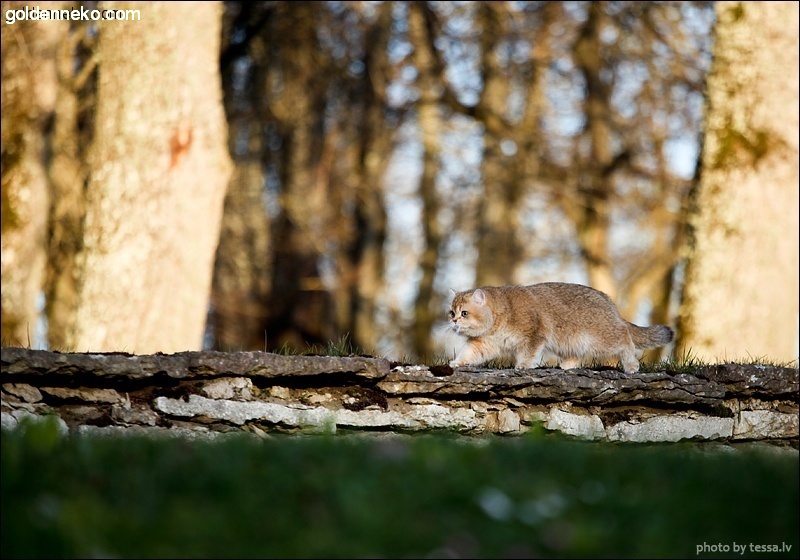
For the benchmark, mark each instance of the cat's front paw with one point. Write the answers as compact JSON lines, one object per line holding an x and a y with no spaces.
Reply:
{"x":526,"y":364}
{"x":455,"y":363}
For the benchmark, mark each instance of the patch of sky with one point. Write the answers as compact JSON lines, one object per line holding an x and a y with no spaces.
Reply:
{"x":517,"y":97}
{"x":400,"y":27}
{"x":39,"y":341}
{"x":462,"y":141}
{"x":631,"y":77}
{"x":577,"y":11}
{"x":682,"y":153}
{"x":609,"y":34}
{"x":551,"y":253}
{"x":272,"y":188}
{"x":462,"y":72}
{"x":239,"y":34}
{"x":241,"y":143}
{"x":241,"y":74}
{"x":564,"y":96}
{"x":330,"y":42}
{"x":399,"y":94}
{"x":404,"y":236}
{"x":399,"y":49}
{"x":698,"y":20}
{"x":368,"y":11}
{"x":508,"y":147}
{"x":356,"y":68}
{"x":521,"y":52}
{"x":460,"y":255}
{"x":328,"y":270}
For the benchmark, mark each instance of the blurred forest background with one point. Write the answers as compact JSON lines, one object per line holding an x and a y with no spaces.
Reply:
{"x":266,"y":175}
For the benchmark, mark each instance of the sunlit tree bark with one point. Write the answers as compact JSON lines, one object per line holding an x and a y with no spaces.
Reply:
{"x":29,"y":83}
{"x":741,"y":293}
{"x":158,"y":177}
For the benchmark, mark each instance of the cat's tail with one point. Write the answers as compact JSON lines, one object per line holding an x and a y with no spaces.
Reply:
{"x":650,"y":337}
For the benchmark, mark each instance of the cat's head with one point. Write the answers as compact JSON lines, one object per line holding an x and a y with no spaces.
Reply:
{"x":470,"y":313}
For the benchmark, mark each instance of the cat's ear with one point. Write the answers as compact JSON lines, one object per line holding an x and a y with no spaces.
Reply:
{"x":479,"y":297}
{"x":452,"y":293}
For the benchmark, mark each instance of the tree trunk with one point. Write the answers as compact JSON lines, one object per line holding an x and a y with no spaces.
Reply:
{"x":29,"y":82}
{"x":374,"y":147}
{"x":499,"y":250}
{"x":300,"y":307}
{"x":241,"y":270}
{"x":429,"y":122}
{"x":71,"y":138}
{"x":741,"y":296}
{"x":159,"y":172}
{"x":592,"y":214}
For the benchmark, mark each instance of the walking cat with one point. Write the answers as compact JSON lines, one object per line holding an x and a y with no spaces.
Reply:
{"x":570,"y":321}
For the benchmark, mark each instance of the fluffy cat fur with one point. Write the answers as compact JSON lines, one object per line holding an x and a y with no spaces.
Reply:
{"x":569,"y":321}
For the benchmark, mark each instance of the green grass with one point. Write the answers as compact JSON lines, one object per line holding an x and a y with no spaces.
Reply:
{"x":414,"y":496}
{"x":342,"y":347}
{"x":689,"y":363}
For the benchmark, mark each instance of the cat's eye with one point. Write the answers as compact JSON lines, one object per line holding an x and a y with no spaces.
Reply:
{"x":464,"y":313}
{"x":452,"y":314}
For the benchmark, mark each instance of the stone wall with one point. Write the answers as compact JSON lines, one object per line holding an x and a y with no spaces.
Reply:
{"x":214,"y":392}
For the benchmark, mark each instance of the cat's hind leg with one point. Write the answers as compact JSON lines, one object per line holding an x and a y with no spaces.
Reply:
{"x":529,"y":356}
{"x":627,"y":356}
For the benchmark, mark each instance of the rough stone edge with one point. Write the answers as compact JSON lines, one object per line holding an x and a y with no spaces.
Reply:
{"x":185,"y":365}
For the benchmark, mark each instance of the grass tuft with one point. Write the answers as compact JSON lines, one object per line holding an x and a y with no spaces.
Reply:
{"x":342,"y":348}
{"x":687,"y":363}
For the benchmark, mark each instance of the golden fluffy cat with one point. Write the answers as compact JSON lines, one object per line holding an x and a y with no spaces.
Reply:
{"x":569,"y":321}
